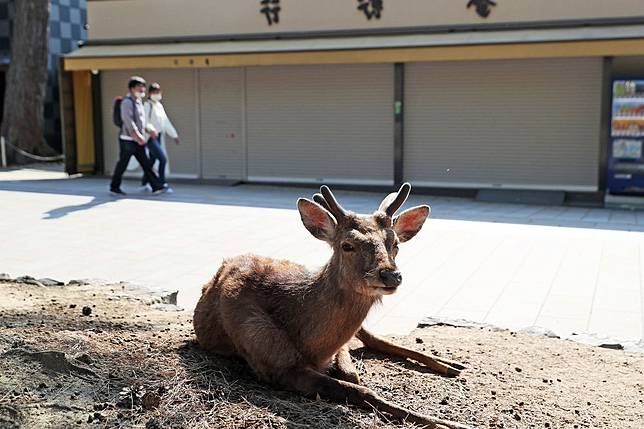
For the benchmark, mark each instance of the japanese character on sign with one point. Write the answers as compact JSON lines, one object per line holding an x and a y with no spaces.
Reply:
{"x":371,"y":8}
{"x":483,"y":7}
{"x":271,"y":9}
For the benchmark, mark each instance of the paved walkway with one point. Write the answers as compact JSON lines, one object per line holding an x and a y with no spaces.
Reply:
{"x":566,"y":269}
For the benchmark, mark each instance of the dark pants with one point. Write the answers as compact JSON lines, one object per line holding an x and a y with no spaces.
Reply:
{"x":127,"y":149}
{"x":156,"y":153}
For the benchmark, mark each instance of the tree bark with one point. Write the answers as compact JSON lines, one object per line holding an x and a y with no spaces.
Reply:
{"x":24,"y":102}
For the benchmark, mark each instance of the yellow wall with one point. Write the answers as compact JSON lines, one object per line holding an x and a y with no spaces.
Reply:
{"x":84,"y":121}
{"x":168,"y":18}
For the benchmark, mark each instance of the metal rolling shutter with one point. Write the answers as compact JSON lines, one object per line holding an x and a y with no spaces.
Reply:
{"x":221,"y":111}
{"x":179,"y":100}
{"x":113,"y":83}
{"x":531,"y":124}
{"x":330,"y":123}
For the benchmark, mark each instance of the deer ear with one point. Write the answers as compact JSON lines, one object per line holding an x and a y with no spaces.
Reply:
{"x":316,"y":219}
{"x":408,"y":223}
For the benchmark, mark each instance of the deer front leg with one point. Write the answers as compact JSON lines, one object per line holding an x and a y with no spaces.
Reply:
{"x":311,"y":383}
{"x":343,"y":367}
{"x":440,"y":365}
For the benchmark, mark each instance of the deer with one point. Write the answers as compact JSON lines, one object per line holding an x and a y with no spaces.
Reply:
{"x":292,"y":326}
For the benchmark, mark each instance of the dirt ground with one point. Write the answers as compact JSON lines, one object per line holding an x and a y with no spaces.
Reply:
{"x":129,"y":364}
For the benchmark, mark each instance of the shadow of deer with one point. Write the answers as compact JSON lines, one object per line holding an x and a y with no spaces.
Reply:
{"x":292,"y":326}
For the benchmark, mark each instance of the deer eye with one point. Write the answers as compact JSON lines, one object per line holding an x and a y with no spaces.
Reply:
{"x":348,"y":247}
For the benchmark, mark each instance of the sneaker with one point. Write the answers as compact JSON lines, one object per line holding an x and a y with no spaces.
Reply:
{"x":117,"y":193}
{"x":160,"y":191}
{"x":169,"y":190}
{"x":145,"y":188}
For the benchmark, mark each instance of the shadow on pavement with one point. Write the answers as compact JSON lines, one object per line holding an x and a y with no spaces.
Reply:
{"x":59,"y":212}
{"x":283,"y":197}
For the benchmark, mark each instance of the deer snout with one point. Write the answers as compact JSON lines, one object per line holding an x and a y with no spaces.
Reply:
{"x":391,"y":278}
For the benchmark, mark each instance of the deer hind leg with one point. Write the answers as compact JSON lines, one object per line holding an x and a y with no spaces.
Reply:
{"x":440,"y":365}
{"x":311,"y":383}
{"x":343,"y":367}
{"x":266,"y":348}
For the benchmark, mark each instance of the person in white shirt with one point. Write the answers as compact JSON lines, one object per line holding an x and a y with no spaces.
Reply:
{"x":160,"y":125}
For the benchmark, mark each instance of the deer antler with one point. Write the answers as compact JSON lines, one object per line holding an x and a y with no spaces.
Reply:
{"x":328,"y":201}
{"x":395,"y":200}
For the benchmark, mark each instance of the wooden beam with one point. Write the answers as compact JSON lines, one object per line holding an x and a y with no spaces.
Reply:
{"x":594,"y":48}
{"x":84,"y":121}
{"x":67,"y":117}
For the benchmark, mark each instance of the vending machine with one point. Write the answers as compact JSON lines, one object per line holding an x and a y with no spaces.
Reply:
{"x":625,"y":161}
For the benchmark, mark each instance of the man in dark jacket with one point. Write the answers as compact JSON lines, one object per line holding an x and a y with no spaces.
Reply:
{"x":132,"y":138}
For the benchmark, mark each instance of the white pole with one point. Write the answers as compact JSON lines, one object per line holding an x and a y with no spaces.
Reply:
{"x":3,"y":153}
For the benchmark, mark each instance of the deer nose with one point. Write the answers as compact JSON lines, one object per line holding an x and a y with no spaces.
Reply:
{"x":391,"y":278}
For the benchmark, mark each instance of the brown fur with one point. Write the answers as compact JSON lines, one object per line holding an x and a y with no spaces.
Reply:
{"x":292,"y":326}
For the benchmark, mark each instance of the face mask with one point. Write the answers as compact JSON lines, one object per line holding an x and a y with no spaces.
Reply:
{"x":139,"y":94}
{"x":156,"y":97}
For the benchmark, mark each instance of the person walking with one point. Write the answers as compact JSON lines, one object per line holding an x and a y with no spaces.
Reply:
{"x":158,"y":121}
{"x":132,"y":140}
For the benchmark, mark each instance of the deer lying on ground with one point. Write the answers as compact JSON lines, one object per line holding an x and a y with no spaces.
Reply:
{"x":292,"y":326}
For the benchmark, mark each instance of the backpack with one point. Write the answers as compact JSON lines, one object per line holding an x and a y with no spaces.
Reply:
{"x":116,"y":112}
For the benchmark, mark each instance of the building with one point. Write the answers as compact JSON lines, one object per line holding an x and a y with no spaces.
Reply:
{"x":448,"y":94}
{"x":66,"y":29}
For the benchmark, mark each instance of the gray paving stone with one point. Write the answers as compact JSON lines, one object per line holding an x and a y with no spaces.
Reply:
{"x":513,"y":265}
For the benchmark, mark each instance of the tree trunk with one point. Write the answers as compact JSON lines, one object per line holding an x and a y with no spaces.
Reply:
{"x":24,"y":102}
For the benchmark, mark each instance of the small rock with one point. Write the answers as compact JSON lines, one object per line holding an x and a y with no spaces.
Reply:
{"x":87,"y":311}
{"x":517,"y":369}
{"x":50,"y":282}
{"x":72,"y":305}
{"x":443,"y":401}
{"x":539,"y":331}
{"x":170,"y":308}
{"x":5,"y":276}
{"x":29,"y":281}
{"x":616,"y":346}
{"x":42,"y":386}
{"x":85,"y":358}
{"x":419,"y":340}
